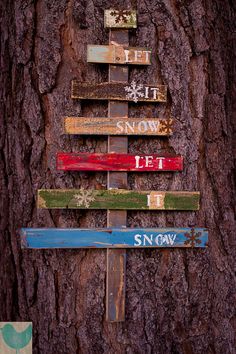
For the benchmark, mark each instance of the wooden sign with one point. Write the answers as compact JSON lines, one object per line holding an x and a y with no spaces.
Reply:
{"x":119,"y":91}
{"x":118,"y":162}
{"x":120,"y":19}
{"x":114,"y":54}
{"x":114,"y":238}
{"x":118,"y":126}
{"x":117,"y":199}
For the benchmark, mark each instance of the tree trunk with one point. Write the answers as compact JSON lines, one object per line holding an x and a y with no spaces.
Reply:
{"x":177,"y":301}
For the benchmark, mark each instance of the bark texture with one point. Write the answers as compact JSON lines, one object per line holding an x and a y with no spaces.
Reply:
{"x":177,"y":301}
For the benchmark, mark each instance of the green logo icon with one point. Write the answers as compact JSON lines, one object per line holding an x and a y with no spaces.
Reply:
{"x":14,"y":339}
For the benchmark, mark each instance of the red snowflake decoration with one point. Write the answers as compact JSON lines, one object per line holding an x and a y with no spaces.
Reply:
{"x":166,"y":126}
{"x":192,"y":238}
{"x":121,"y":15}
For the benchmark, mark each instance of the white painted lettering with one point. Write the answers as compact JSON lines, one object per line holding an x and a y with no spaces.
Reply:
{"x":148,"y":238}
{"x":160,"y":162}
{"x":137,"y":161}
{"x":158,"y":239}
{"x":146,"y":92}
{"x":147,"y":53}
{"x":151,"y":240}
{"x":158,"y":199}
{"x":172,"y":239}
{"x":153,"y":125}
{"x":126,"y":56}
{"x":138,"y":55}
{"x":138,"y":240}
{"x":119,"y":126}
{"x":128,"y":125}
{"x":155,"y":91}
{"x":148,"y":161}
{"x":165,"y":239}
{"x":142,"y":126}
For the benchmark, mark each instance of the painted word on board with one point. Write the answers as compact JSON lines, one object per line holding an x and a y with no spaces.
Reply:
{"x":118,"y":162}
{"x":118,"y":126}
{"x":113,"y":238}
{"x":135,"y":92}
{"x":113,"y":54}
{"x":117,"y":199}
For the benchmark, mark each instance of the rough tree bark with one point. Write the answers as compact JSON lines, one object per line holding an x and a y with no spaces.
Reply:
{"x":177,"y":301}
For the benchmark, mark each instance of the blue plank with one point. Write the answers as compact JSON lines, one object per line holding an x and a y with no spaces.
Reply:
{"x":113,"y":238}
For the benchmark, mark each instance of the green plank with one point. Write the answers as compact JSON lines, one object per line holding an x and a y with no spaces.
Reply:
{"x":117,"y":199}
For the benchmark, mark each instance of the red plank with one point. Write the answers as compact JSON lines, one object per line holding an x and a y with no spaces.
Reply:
{"x":118,"y":162}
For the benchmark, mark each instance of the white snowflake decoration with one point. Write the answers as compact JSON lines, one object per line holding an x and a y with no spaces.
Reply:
{"x":84,"y":198}
{"x":133,"y":91}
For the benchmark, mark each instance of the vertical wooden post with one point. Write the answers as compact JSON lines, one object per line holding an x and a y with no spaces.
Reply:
{"x":116,"y":259}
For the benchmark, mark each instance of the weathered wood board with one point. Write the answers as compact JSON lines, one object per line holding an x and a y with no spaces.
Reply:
{"x":116,"y":258}
{"x":118,"y":126}
{"x":113,"y":238}
{"x":119,"y":91}
{"x":118,"y":162}
{"x":117,"y":199}
{"x":115,"y":54}
{"x":120,"y":18}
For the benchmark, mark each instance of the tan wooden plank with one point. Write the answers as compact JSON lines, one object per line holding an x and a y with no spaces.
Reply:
{"x":113,"y":54}
{"x":120,"y":18}
{"x":118,"y":126}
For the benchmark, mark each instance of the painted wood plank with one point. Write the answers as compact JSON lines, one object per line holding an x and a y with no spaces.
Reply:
{"x":120,"y":18}
{"x":115,"y":54}
{"x":114,"y":238}
{"x":115,"y":284}
{"x":136,"y":92}
{"x":118,"y":126}
{"x":117,"y":199}
{"x":118,"y":162}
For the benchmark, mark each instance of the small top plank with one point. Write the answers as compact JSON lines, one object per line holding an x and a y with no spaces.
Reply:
{"x":118,"y":91}
{"x":114,"y":54}
{"x":120,"y":18}
{"x":117,"y":199}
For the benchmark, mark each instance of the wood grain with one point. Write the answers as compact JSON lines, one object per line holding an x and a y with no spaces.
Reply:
{"x":120,"y":18}
{"x":179,"y":301}
{"x":118,"y":162}
{"x":118,"y":126}
{"x":119,"y":91}
{"x":114,"y":54}
{"x":116,"y":258}
{"x":117,"y":199}
{"x":113,"y":238}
